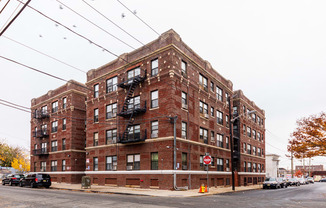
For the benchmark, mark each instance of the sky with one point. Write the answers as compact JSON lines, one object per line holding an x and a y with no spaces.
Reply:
{"x":274,"y":51}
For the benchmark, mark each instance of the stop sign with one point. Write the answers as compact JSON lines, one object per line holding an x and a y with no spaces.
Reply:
{"x":207,"y":160}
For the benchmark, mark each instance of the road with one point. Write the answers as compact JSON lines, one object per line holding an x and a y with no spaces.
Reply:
{"x":313,"y":195}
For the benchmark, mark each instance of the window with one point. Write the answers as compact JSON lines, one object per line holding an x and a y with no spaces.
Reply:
{"x":184,"y":130}
{"x":244,"y":146}
{"x":212,"y":111}
{"x":203,"y":82}
{"x":235,"y":110}
{"x":35,"y":146}
{"x":213,"y":161}
{"x":154,"y":129}
{"x":95,"y":164}
{"x":258,"y":151}
{"x":259,"y":169}
{"x":219,"y":117}
{"x":63,"y":144}
{"x":258,"y":120}
{"x":244,"y":167}
{"x":184,"y":101}
{"x":244,"y":109}
{"x":133,"y":162}
{"x":154,"y":65}
{"x":63,"y":165}
{"x":249,"y":167}
{"x":219,"y":93}
{"x":219,"y":139}
{"x":95,"y":139}
{"x":212,"y":137}
{"x":201,"y":162}
{"x":248,"y":131}
{"x":96,"y":115}
{"x":111,"y":111}
{"x":203,"y":108}
{"x":262,"y":168}
{"x":111,"y":84}
{"x":134,"y":103}
{"x":253,"y":134}
{"x":54,"y":146}
{"x":227,"y":121}
{"x":254,"y":150}
{"x":227,"y":142}
{"x":44,"y":129}
{"x":220,"y":164}
{"x":154,"y":99}
{"x":212,"y":86}
{"x":244,"y":129}
{"x":227,"y":164}
{"x":44,"y":148}
{"x":54,"y":106}
{"x":262,"y":137}
{"x":262,"y":152}
{"x":154,"y":161}
{"x":64,"y":103}
{"x":43,"y":166}
{"x":64,"y":124}
{"x":183,"y":67}
{"x":44,"y":109}
{"x":111,"y":136}
{"x":254,"y":118}
{"x":254,"y":167}
{"x":96,"y":90}
{"x":54,"y":126}
{"x":134,"y":132}
{"x":258,"y":136}
{"x":111,"y":163}
{"x":133,"y":73}
{"x":54,"y":164}
{"x":184,"y":161}
{"x":227,"y":99}
{"x":249,"y":149}
{"x":203,"y":134}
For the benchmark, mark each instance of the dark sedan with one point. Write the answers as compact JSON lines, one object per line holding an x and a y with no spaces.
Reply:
{"x":12,"y":179}
{"x":36,"y":180}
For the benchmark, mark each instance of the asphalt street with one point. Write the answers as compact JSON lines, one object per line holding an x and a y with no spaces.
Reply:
{"x":312,"y":195}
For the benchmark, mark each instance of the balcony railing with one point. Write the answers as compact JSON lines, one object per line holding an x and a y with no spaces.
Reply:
{"x":137,"y":79}
{"x":41,"y":133}
{"x":38,"y":114}
{"x":136,"y":137}
{"x":134,"y":109}
{"x":38,"y":152}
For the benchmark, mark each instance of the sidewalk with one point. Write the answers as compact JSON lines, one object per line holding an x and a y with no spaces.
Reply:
{"x":149,"y":192}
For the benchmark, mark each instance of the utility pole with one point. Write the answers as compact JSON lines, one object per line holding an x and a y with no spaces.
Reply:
{"x":292,"y":163}
{"x":309,"y":165}
{"x":231,"y":143}
{"x":174,"y":121}
{"x":25,"y":5}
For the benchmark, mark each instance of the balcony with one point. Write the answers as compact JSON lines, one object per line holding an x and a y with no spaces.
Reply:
{"x":38,"y":114}
{"x":135,"y":80}
{"x":236,"y":134}
{"x":39,"y":152}
{"x":40,"y":133}
{"x":133,"y":109}
{"x":136,"y":137}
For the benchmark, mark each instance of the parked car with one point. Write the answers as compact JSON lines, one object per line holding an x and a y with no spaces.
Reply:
{"x":271,"y":183}
{"x":302,"y":181}
{"x":36,"y":180}
{"x":322,"y":180}
{"x":12,"y":179}
{"x":294,"y":182}
{"x":310,"y":180}
{"x":283,"y":182}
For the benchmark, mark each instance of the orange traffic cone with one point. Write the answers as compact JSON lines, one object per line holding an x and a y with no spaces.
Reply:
{"x":201,"y":189}
{"x":206,"y":189}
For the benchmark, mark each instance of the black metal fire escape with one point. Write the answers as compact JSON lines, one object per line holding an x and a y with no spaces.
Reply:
{"x":130,"y":112}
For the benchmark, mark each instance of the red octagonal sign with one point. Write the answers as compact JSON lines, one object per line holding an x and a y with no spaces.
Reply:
{"x":207,"y":160}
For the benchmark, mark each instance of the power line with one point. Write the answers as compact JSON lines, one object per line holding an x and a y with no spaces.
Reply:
{"x":42,"y":72}
{"x":20,"y":106}
{"x":104,"y":49}
{"x":4,"y":6}
{"x":14,"y":107}
{"x":96,"y":25}
{"x":112,"y":22}
{"x":10,"y":16}
{"x":138,"y":17}
{"x":44,"y":54}
{"x":15,"y":17}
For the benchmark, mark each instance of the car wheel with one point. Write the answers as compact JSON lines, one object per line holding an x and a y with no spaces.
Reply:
{"x":32,"y":185}
{"x":20,"y":184}
{"x":10,"y":183}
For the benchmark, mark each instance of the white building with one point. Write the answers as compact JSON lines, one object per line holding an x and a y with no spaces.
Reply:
{"x":272,"y":162}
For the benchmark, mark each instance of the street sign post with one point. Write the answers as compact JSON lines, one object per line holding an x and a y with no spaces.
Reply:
{"x":207,"y":161}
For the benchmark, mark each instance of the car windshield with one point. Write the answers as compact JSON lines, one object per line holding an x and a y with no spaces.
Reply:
{"x":270,"y":179}
{"x":18,"y":176}
{"x":42,"y":176}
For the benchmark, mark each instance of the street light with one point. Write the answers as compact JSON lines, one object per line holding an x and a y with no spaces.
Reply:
{"x":231,"y":137}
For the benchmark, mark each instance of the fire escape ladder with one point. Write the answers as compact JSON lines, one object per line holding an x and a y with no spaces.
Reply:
{"x":126,"y":132}
{"x":129,"y":95}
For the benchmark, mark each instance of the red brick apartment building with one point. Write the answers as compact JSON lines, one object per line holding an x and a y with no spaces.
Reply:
{"x":249,"y":142}
{"x":58,"y":133}
{"x":135,"y":106}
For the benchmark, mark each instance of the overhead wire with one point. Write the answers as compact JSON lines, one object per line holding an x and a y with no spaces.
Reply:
{"x":26,"y":46}
{"x":4,"y":6}
{"x":78,"y":34}
{"x":20,"y":106}
{"x":14,"y":107}
{"x":112,"y":22}
{"x":138,"y":17}
{"x":12,"y":14}
{"x":96,"y":25}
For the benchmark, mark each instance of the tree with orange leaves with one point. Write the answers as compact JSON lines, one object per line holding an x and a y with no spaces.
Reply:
{"x":309,"y":138}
